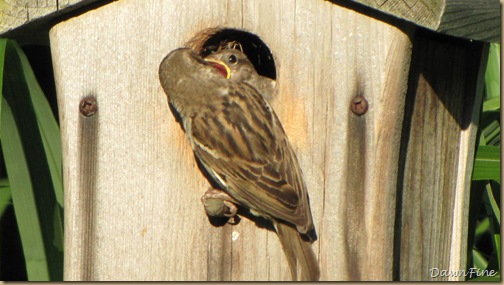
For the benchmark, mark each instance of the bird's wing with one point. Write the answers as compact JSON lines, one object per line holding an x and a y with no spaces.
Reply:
{"x":244,"y":147}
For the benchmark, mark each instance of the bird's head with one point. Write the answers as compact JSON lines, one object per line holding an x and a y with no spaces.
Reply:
{"x":187,"y":79}
{"x":232,"y":64}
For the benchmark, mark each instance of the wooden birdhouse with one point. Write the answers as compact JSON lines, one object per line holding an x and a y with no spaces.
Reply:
{"x":380,"y":102}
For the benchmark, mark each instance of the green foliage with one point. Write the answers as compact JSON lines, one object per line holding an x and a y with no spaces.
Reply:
{"x":5,"y":195}
{"x":487,"y":163}
{"x":484,"y":221}
{"x":31,"y":147}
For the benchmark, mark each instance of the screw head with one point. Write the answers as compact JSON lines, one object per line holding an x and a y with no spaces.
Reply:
{"x":88,"y":106}
{"x":359,"y":105}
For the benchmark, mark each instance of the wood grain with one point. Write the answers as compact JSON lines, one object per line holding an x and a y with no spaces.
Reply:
{"x":143,"y":186}
{"x":18,"y":12}
{"x":28,"y":21}
{"x":470,"y":19}
{"x":440,"y":127}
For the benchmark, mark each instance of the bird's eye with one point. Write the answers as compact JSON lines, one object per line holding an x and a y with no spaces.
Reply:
{"x":232,"y":59}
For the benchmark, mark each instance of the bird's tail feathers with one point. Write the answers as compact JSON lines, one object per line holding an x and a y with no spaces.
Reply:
{"x":299,"y":252}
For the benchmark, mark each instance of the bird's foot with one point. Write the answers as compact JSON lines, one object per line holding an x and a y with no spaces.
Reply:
{"x":218,"y":203}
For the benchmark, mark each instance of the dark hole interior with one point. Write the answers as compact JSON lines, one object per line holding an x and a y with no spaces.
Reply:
{"x":256,"y":50}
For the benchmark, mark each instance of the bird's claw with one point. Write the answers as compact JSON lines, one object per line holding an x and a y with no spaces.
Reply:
{"x":218,"y":203}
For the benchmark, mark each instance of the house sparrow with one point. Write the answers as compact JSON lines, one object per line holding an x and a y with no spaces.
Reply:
{"x":240,"y":142}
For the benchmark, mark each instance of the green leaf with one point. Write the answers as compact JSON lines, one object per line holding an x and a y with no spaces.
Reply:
{"x":47,"y":125}
{"x":5,"y":191}
{"x":487,"y":163}
{"x":490,"y":135}
{"x":3,"y":44}
{"x":482,"y":227}
{"x":492,"y":74}
{"x":492,"y":104}
{"x":30,"y":145}
{"x":497,"y":241}
{"x":25,"y":205}
{"x":5,"y":195}
{"x":480,"y":262}
{"x":494,"y":207}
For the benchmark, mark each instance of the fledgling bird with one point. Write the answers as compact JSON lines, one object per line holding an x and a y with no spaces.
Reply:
{"x":239,"y":140}
{"x":242,"y":70}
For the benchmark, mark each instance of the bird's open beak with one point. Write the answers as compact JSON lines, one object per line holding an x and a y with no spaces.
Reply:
{"x":220,"y":66}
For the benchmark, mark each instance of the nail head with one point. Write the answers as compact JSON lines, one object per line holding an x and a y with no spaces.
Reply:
{"x":88,"y":106}
{"x":359,"y":105}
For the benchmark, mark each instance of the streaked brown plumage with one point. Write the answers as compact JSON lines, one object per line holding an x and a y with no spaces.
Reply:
{"x":239,"y":140}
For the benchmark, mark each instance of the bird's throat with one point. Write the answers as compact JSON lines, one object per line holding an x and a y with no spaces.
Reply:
{"x":220,"y":67}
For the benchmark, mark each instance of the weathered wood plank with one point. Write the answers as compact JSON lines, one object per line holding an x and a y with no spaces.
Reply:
{"x":470,"y":19}
{"x":144,"y":216}
{"x":28,"y":21}
{"x":442,"y":115}
{"x":18,"y":12}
